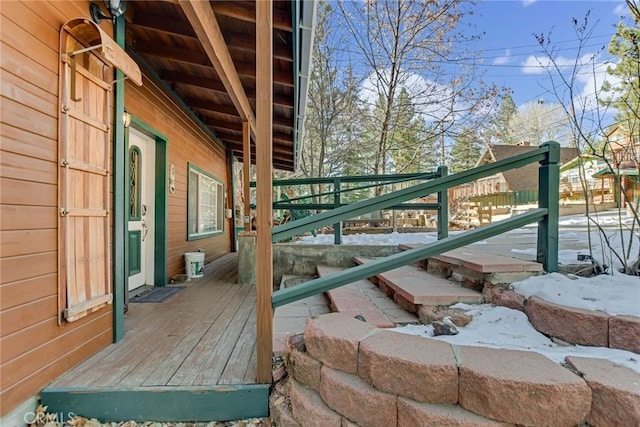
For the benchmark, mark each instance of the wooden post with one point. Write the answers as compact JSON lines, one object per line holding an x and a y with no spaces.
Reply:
{"x":246,"y":173}
{"x":549,"y":196}
{"x":443,"y":209}
{"x":120,"y":150}
{"x":337,"y":227}
{"x":264,"y":186}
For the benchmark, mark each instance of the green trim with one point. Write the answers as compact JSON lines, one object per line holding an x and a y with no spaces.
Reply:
{"x":120,"y":291}
{"x":132,"y":150}
{"x":199,"y":236}
{"x":400,"y":177}
{"x":549,"y":198}
{"x":161,"y":242}
{"x":162,"y":404}
{"x":443,"y":204}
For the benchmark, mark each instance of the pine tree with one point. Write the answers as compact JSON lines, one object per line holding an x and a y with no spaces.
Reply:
{"x":500,"y":126}
{"x":625,"y":95}
{"x":465,"y":151}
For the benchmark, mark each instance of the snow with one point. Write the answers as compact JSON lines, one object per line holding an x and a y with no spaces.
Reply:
{"x":619,"y":294}
{"x":501,"y":327}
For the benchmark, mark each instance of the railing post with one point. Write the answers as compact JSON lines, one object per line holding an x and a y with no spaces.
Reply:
{"x":548,"y":198}
{"x":337,"y":227}
{"x":443,"y":209}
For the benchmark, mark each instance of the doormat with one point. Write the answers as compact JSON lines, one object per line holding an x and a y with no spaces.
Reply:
{"x":160,"y":294}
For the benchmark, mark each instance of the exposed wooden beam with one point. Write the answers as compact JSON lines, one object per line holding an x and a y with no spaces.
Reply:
{"x":247,"y":43}
{"x":235,"y":139}
{"x":173,"y":53}
{"x":205,"y":25}
{"x":187,"y":79}
{"x":211,"y":106}
{"x":280,"y":77}
{"x":245,"y":10}
{"x":163,"y":24}
{"x":186,"y":56}
{"x":208,"y":110}
{"x":264,"y":190}
{"x":217,"y":86}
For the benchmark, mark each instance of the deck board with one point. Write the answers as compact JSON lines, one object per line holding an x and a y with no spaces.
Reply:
{"x":202,"y":336}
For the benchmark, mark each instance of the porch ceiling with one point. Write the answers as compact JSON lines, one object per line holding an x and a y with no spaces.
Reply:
{"x":160,"y":33}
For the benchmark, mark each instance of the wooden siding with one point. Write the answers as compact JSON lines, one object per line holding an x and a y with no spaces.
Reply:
{"x":34,"y":349}
{"x":187,"y":142}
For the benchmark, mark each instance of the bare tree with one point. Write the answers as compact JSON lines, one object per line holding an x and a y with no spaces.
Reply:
{"x":538,"y":122}
{"x":593,"y":133}
{"x":331,"y":103}
{"x":410,"y":44}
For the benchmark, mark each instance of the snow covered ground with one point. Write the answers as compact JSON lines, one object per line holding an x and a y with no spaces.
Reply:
{"x":501,"y":327}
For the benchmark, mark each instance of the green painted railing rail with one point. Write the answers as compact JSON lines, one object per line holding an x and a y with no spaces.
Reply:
{"x":355,"y":178}
{"x":546,"y":215}
{"x":370,"y":269}
{"x":548,"y":152}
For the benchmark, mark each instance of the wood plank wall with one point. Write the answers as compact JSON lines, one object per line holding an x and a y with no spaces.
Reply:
{"x":187,"y":143}
{"x":33,"y":348}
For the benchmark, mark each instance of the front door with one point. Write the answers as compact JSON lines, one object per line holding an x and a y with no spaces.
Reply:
{"x":141,"y":209}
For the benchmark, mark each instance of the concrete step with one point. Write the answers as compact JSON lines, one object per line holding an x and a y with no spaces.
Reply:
{"x":412,"y":286}
{"x":365,"y":299}
{"x":291,"y":319}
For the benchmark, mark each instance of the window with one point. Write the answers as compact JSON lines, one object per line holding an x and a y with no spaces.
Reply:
{"x":206,"y":204}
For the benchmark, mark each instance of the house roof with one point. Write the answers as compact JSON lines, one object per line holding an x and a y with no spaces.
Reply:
{"x":160,"y":35}
{"x":526,"y":177}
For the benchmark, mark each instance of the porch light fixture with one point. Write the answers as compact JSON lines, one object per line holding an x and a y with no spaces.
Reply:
{"x":115,"y":7}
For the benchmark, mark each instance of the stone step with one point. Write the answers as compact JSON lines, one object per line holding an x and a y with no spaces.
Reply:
{"x":474,"y":267}
{"x":365,"y":299}
{"x":418,"y":287}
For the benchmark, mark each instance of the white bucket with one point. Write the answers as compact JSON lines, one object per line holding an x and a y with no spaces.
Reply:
{"x":194,"y":264}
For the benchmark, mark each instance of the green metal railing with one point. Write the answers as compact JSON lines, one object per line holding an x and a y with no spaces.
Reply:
{"x":547,"y":215}
{"x":335,"y":197}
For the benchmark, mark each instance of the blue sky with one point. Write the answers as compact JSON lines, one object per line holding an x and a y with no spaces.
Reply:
{"x":511,"y":54}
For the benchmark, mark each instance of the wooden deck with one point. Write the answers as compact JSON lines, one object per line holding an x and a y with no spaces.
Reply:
{"x":201,"y":340}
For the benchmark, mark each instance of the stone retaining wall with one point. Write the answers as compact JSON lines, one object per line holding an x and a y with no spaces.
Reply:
{"x":573,"y":325}
{"x":344,"y":372}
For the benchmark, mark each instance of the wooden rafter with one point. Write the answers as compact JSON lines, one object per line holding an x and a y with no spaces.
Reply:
{"x":205,"y":25}
{"x":245,"y":10}
{"x":217,"y":86}
{"x":235,"y":41}
{"x":244,"y":69}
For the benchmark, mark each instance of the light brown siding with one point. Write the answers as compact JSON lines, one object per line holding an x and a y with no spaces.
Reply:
{"x":187,"y":143}
{"x":34,"y":349}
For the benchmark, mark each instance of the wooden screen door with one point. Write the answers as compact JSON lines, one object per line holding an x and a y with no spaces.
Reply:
{"x":141,"y":209}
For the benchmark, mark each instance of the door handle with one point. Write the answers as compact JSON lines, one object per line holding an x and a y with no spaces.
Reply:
{"x":144,"y":209}
{"x":145,"y":229}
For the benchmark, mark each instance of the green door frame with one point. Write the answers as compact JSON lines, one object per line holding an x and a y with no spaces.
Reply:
{"x":160,"y":202}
